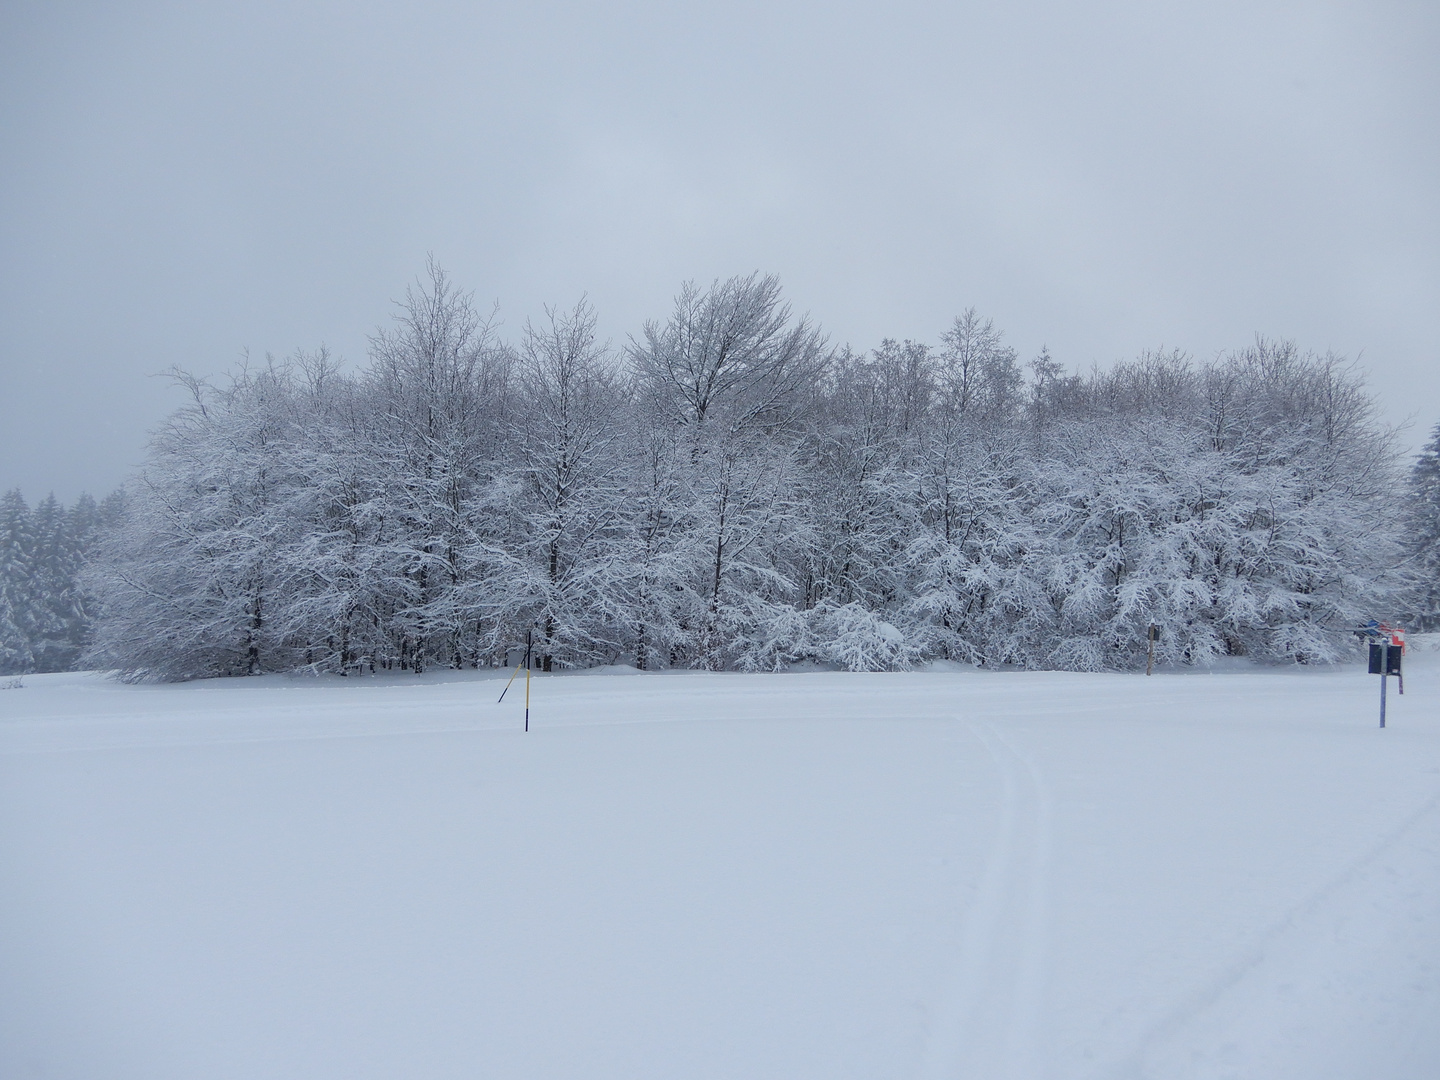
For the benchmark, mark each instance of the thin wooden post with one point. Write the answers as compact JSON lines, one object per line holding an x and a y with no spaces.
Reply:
{"x":501,"y":698}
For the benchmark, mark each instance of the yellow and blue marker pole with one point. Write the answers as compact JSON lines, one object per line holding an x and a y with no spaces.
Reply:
{"x":525,"y":663}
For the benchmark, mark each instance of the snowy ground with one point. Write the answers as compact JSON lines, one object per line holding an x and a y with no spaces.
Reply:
{"x":941,"y":874}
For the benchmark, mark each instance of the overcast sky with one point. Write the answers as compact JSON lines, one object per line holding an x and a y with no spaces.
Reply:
{"x":179,"y":184}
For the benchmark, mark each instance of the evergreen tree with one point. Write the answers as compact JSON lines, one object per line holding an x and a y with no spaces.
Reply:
{"x":16,"y":555}
{"x":1423,"y":534}
{"x":52,"y":586}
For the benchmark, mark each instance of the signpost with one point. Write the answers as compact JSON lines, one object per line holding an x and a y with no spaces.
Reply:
{"x":1387,"y":650}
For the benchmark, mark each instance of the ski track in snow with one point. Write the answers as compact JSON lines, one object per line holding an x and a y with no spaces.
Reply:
{"x":1155,"y":1055}
{"x":991,"y":1020}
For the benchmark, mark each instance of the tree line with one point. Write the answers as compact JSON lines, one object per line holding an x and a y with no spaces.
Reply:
{"x":727,"y":490}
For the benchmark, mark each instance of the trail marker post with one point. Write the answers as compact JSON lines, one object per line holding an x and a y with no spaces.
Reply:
{"x":1154,"y":635}
{"x":525,"y":663}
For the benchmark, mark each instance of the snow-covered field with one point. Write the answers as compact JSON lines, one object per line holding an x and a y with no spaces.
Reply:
{"x":937,"y":874}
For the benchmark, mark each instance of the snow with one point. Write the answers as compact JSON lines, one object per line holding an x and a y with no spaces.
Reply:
{"x":942,"y":873}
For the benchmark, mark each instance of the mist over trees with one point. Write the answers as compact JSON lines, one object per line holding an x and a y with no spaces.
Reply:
{"x":727,"y":490}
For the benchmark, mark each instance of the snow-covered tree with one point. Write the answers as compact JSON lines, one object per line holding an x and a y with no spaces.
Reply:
{"x":55,"y":609}
{"x":196,"y":582}
{"x":17,"y":545}
{"x":436,"y":391}
{"x":567,"y":423}
{"x":729,"y":493}
{"x":732,"y":368}
{"x":16,"y":555}
{"x":650,"y":573}
{"x":1422,"y":535}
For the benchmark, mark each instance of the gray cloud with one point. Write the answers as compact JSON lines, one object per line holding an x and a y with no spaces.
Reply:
{"x":180,"y":184}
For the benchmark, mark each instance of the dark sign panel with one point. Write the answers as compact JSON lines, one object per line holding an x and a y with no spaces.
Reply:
{"x":1385,"y":659}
